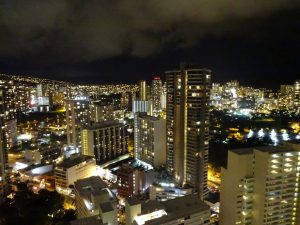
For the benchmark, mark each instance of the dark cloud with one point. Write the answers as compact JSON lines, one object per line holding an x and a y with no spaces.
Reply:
{"x":89,"y":30}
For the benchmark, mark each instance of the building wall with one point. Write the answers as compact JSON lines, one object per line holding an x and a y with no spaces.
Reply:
{"x":232,"y":187}
{"x":105,"y":143}
{"x":131,"y":211}
{"x":200,"y":218}
{"x":67,"y":176}
{"x":261,"y":187}
{"x":159,"y":144}
{"x":87,"y":142}
{"x":83,"y":170}
{"x":150,"y":139}
{"x":110,"y":218}
{"x":77,"y":116}
{"x":276,"y":191}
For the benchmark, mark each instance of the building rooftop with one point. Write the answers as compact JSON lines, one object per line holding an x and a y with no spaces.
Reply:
{"x":269,"y":149}
{"x":93,"y":220}
{"x":106,"y":207}
{"x":103,"y":124}
{"x":273,"y":149}
{"x":91,"y":186}
{"x":133,"y":201}
{"x":296,"y":142}
{"x":151,"y":206}
{"x":242,"y":151}
{"x":73,"y":161}
{"x":170,"y":210}
{"x":145,"y":116}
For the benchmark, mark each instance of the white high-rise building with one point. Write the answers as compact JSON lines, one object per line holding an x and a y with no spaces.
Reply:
{"x":150,"y":139}
{"x":260,"y":186}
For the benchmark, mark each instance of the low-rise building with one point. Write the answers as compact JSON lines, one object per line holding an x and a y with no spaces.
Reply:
{"x":185,"y":210}
{"x":72,"y":169}
{"x":130,"y":181}
{"x":93,"y":198}
{"x":166,"y":191}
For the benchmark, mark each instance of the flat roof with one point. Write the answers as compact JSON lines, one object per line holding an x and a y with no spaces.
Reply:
{"x":273,"y":149}
{"x":145,"y":116}
{"x":176,"y":208}
{"x":133,"y":201}
{"x":73,"y":161}
{"x":242,"y":151}
{"x":103,"y":124}
{"x":91,"y":186}
{"x":297,"y":142}
{"x":151,"y":206}
{"x":106,"y":207}
{"x":268,"y":149}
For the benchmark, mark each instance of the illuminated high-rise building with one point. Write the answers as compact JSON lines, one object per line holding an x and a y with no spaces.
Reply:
{"x":77,"y":116}
{"x":4,"y":176}
{"x":150,"y":139}
{"x":156,"y":92}
{"x":188,"y":92}
{"x":105,"y":140}
{"x":163,"y":97}
{"x":297,"y":94}
{"x":143,"y":90}
{"x":260,"y":186}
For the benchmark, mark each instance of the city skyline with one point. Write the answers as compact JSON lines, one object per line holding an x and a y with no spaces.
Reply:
{"x":83,"y":43}
{"x":149,"y":112}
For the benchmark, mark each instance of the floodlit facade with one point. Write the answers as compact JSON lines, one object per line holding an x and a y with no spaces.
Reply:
{"x":260,"y":186}
{"x":188,"y":92}
{"x":105,"y":140}
{"x":72,"y":169}
{"x":143,"y":90}
{"x":150,"y":139}
{"x":140,"y":106}
{"x":94,"y":198}
{"x":187,"y":210}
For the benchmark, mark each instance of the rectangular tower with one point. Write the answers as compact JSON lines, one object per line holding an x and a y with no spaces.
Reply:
{"x":150,"y":139}
{"x":261,"y":186}
{"x":77,"y":116}
{"x":188,"y":92}
{"x":4,"y":176}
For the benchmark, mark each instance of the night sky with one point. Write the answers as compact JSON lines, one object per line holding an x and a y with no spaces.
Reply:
{"x":123,"y":41}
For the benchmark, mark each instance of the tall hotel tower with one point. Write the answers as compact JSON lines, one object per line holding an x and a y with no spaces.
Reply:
{"x":188,"y":92}
{"x":4,"y":178}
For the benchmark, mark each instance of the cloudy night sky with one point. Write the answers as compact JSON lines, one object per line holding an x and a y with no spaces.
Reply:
{"x":123,"y":41}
